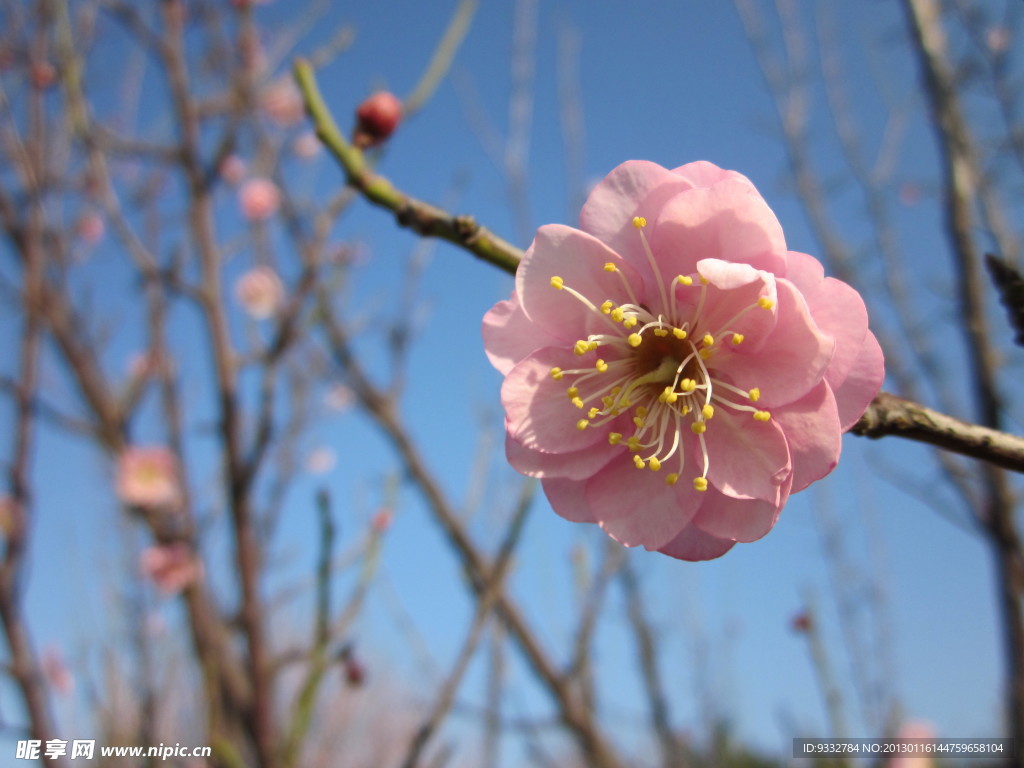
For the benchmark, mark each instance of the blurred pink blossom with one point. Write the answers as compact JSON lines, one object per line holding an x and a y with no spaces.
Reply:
{"x":306,"y":145}
{"x":339,"y":398}
{"x":56,"y":671}
{"x":232,"y":169}
{"x":260,"y":292}
{"x":913,"y":730}
{"x":382,"y":519}
{"x":90,"y":228}
{"x":675,"y":378}
{"x":171,"y":567}
{"x":282,"y":102}
{"x":148,"y":477}
{"x":259,"y":199}
{"x":998,"y":39}
{"x":320,"y":461}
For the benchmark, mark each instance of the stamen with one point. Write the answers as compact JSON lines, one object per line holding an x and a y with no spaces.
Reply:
{"x":556,"y":373}
{"x":672,"y":479}
{"x":700,"y":483}
{"x":755,"y":394}
{"x":601,"y":366}
{"x":708,"y":339}
{"x":582,"y":424}
{"x":708,"y":411}
{"x":638,"y":462}
{"x":610,"y":267}
{"x":684,"y":280}
{"x":614,"y":438}
{"x":654,"y":464}
{"x":698,"y":427}
{"x":557,"y":283}
{"x":737,"y":338}
{"x":635,"y":339}
{"x":765,"y":303}
{"x":762,"y":416}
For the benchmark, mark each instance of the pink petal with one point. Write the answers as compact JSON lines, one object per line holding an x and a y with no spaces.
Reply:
{"x":635,"y":188}
{"x":577,"y":465}
{"x":748,"y":458}
{"x":509,"y":336}
{"x":731,"y":289}
{"x":811,"y":425}
{"x":728,"y":221}
{"x":862,"y":383}
{"x":693,"y":544}
{"x":789,"y":363}
{"x":803,"y":271}
{"x":579,"y":260}
{"x":568,"y":499}
{"x":738,"y":519}
{"x":701,"y":173}
{"x":637,"y":507}
{"x":538,"y":413}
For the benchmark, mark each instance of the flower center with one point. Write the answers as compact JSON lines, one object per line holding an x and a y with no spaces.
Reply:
{"x":658,"y":368}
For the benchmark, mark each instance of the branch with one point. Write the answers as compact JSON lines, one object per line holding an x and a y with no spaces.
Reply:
{"x":891,"y":415}
{"x":421,"y":217}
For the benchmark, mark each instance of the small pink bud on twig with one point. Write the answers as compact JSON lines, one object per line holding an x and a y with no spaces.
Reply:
{"x":376,"y":119}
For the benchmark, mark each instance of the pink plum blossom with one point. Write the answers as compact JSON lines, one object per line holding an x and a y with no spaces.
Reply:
{"x":171,"y":567}
{"x":306,"y":145}
{"x":260,"y":292}
{"x":259,"y":199}
{"x":672,"y":371}
{"x":232,"y":169}
{"x":148,"y":476}
{"x":282,"y":102}
{"x":55,"y":671}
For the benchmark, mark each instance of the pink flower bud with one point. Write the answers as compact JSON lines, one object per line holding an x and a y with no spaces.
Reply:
{"x":232,"y":169}
{"x":43,"y":75}
{"x":90,"y":228}
{"x":260,"y":292}
{"x":376,"y":119}
{"x":259,"y":199}
{"x":382,"y":520}
{"x":149,"y":477}
{"x":171,"y":567}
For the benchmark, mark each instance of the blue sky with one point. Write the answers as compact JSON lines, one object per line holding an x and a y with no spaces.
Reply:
{"x":663,"y":81}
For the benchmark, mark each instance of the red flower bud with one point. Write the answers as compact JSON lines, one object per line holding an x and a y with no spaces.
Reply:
{"x":376,"y":119}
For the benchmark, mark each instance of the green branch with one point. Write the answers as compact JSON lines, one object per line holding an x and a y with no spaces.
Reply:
{"x":421,"y":217}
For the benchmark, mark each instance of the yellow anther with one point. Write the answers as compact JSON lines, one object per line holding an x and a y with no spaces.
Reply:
{"x":629,"y":322}
{"x":577,"y":402}
{"x":654,"y":464}
{"x":762,"y":416}
{"x":607,"y":306}
{"x":582,"y":424}
{"x":581,"y":347}
{"x":639,"y":222}
{"x":704,"y":280}
{"x":634,"y":339}
{"x":685,"y":280}
{"x":661,"y":331}
{"x":556,"y":373}
{"x":607,"y":401}
{"x":610,"y":267}
{"x":708,"y":339}
{"x":687,"y":385}
{"x":557,"y":282}
{"x":593,"y":345}
{"x":614,"y":438}
{"x":765,"y":303}
{"x":705,"y":353}
{"x":672,"y":479}
{"x":616,"y":390}
{"x":638,"y":421}
{"x":686,"y":409}
{"x":755,"y":394}
{"x":737,"y":338}
{"x":638,"y":462}
{"x":592,"y":413}
{"x":633,"y":443}
{"x":668,"y":396}
{"x":572,"y":391}
{"x":700,"y":483}
{"x":617,"y":315}
{"x":679,"y":333}
{"x":641,"y":411}
{"x":698,"y":427}
{"x":601,"y":366}
{"x":708,"y":410}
